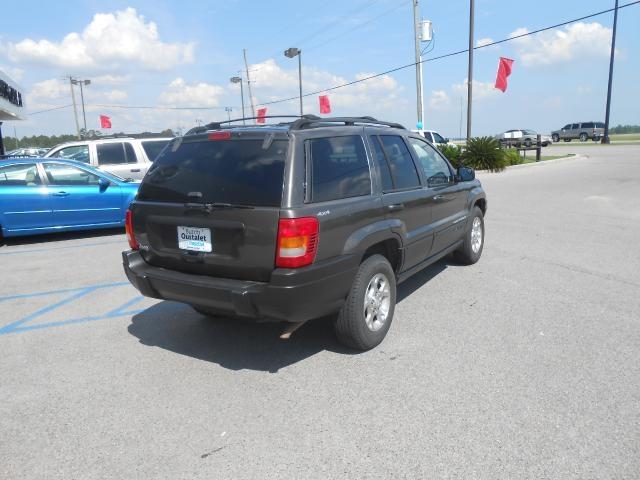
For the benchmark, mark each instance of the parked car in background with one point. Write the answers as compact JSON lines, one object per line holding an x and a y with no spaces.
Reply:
{"x":522,"y":137}
{"x":433,"y":137}
{"x":27,"y":152}
{"x":123,"y":156}
{"x":582,"y":131}
{"x":40,"y":195}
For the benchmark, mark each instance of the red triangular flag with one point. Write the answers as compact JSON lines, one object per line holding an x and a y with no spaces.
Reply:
{"x":325,"y":105}
{"x":262,"y":112}
{"x":504,"y":70}
{"x":105,"y":122}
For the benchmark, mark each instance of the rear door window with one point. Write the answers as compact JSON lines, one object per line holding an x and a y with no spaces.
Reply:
{"x":339,"y":168}
{"x":111,"y":154}
{"x":587,"y":125}
{"x":79,"y":153}
{"x":403,"y":170}
{"x":575,"y":126}
{"x":153,"y":148}
{"x":244,"y":172}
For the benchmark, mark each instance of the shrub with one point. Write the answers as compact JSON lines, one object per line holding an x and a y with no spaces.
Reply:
{"x":484,"y":153}
{"x":452,"y":152}
{"x":512,"y":156}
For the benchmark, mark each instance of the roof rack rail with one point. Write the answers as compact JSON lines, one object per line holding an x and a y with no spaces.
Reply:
{"x":347,"y":121}
{"x":218,"y":125}
{"x":301,"y":122}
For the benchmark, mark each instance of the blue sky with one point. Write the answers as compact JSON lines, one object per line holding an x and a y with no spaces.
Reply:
{"x":175,"y":54}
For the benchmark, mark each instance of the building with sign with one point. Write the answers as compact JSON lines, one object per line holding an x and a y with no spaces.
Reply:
{"x":11,"y":103}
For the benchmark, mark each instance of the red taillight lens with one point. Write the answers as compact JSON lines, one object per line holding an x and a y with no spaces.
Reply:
{"x":219,"y":136}
{"x":128,"y":227}
{"x":297,"y":242}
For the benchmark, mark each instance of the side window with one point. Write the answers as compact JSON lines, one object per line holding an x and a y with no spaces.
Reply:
{"x":23,"y":174}
{"x":587,"y":125}
{"x":111,"y":154}
{"x":435,"y":169}
{"x":339,"y":168}
{"x":428,"y":136}
{"x":130,"y":153}
{"x":79,"y":153}
{"x":599,"y":125}
{"x":567,"y":127}
{"x":437,"y":138}
{"x":403,"y":170}
{"x":575,"y":126}
{"x":61,"y":174}
{"x":383,"y":165}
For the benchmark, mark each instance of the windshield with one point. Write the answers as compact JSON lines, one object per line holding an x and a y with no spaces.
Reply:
{"x":244,"y":172}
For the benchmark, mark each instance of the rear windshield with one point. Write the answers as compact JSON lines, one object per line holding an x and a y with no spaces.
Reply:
{"x":241,"y":172}
{"x":153,"y":148}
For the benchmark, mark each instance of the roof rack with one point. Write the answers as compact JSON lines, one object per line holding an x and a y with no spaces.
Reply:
{"x":302,"y":122}
{"x":347,"y":121}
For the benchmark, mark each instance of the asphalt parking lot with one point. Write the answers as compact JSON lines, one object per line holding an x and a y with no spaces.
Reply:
{"x":525,"y":365}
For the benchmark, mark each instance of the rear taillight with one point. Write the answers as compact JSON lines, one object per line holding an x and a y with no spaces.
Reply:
{"x":297,"y":242}
{"x":128,"y":227}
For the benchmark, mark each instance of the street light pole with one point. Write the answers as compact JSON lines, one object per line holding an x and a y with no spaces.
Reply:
{"x":228,"y":110}
{"x":290,"y":53}
{"x":416,"y":20}
{"x":470,"y":72}
{"x":605,"y":138}
{"x":75,"y":109}
{"x":84,"y":115}
{"x":239,"y":80}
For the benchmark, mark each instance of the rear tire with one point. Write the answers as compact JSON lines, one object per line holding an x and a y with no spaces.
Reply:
{"x":471,"y":250}
{"x":584,"y":137}
{"x":527,"y":143}
{"x":555,"y":137}
{"x":367,"y":313}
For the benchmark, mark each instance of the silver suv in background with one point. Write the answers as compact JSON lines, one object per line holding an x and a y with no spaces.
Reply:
{"x":582,"y":131}
{"x":126,"y":157}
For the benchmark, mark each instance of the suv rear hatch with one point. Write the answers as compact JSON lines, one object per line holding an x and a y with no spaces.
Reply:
{"x":210,"y":204}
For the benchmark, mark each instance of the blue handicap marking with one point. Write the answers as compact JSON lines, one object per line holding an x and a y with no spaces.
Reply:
{"x":70,"y":295}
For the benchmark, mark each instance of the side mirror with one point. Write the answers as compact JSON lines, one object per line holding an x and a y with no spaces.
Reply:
{"x":466,"y":174}
{"x":446,"y":140}
{"x":103,"y":183}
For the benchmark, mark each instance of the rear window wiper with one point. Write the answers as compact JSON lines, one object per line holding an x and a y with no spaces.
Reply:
{"x":208,"y":207}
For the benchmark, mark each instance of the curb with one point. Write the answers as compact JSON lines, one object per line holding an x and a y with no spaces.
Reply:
{"x":536,"y":164}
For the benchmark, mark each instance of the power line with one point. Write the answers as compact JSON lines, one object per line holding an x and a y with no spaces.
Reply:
{"x":451,"y":54}
{"x":48,"y":110}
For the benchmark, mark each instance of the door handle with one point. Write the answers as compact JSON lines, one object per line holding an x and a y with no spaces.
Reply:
{"x":135,"y":170}
{"x":395,"y":207}
{"x":60,"y":194}
{"x":437,"y":198}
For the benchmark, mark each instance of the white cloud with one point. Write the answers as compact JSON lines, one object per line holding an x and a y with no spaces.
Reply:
{"x":480,"y":89}
{"x":115,"y":95}
{"x":14,"y":73}
{"x":576,"y":41}
{"x":483,"y":41}
{"x":584,"y":89}
{"x":51,"y":89}
{"x":271,"y":82}
{"x":201,"y":94}
{"x":110,"y":79}
{"x":111,"y":40}
{"x":439,"y":99}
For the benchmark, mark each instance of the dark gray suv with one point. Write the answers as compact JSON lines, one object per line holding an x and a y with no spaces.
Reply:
{"x":298,"y":220}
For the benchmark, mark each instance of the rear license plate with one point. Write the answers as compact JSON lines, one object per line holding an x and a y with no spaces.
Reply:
{"x":195,"y":239}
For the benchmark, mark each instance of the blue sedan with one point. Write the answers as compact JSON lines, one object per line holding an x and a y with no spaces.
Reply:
{"x":44,"y":195}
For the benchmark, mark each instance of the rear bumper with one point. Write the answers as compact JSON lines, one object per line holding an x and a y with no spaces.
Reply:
{"x":293,"y":295}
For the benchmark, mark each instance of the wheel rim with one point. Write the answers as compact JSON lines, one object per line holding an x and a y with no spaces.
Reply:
{"x":476,"y":235}
{"x":377,"y":301}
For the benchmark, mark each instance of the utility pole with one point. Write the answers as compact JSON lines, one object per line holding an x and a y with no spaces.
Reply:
{"x":75,"y":109}
{"x":84,"y":115}
{"x":605,"y":138}
{"x":416,"y":21}
{"x":470,"y":73}
{"x":246,"y":67}
{"x":290,"y":53}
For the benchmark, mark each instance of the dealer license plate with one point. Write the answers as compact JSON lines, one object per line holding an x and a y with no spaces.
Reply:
{"x":195,"y":239}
